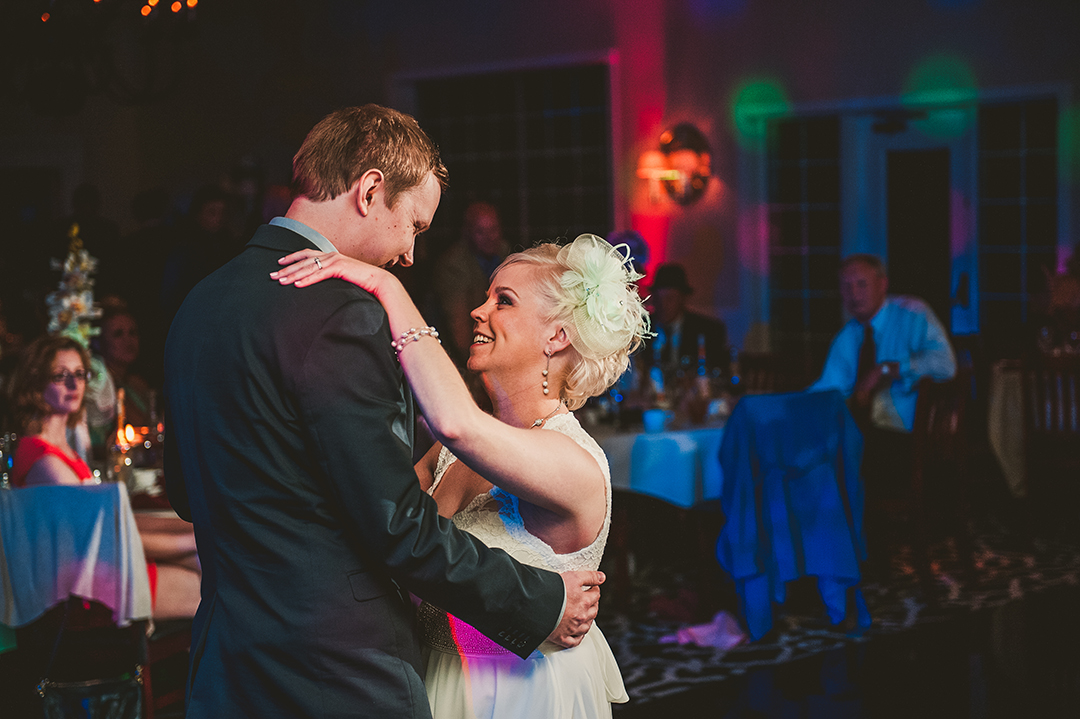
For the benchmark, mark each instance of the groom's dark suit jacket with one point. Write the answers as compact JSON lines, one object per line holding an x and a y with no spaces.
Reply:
{"x":289,"y":447}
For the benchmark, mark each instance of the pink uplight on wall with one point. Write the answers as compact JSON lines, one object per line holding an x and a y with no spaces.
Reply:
{"x":655,"y":228}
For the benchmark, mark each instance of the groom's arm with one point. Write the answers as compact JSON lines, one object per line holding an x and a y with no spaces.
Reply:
{"x":349,"y":389}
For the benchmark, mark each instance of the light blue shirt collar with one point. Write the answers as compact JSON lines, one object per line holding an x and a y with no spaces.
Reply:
{"x":317,"y":238}
{"x":880,"y":319}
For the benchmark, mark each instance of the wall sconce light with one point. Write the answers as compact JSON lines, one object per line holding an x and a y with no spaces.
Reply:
{"x":682,"y":165}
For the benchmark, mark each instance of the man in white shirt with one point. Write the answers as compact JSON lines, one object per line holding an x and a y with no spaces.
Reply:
{"x":876,"y":361}
{"x":889,"y":344}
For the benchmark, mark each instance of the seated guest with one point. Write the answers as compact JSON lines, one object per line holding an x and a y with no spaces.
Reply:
{"x":890,"y":343}
{"x":877,"y":360}
{"x":461,"y":276}
{"x":1059,"y":323}
{"x":118,"y":345}
{"x":48,"y":396}
{"x":680,"y":334}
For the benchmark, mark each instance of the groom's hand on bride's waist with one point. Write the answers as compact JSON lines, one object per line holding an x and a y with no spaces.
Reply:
{"x":582,"y":603}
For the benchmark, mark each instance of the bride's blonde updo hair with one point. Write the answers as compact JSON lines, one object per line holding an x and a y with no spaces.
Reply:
{"x":589,"y":287}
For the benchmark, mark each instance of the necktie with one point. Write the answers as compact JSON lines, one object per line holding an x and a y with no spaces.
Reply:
{"x":867,"y":360}
{"x":867,"y":353}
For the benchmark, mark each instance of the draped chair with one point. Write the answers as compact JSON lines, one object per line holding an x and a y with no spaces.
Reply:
{"x":792,"y":497}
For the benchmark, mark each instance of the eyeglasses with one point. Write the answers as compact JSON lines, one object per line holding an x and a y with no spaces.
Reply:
{"x":78,"y":376}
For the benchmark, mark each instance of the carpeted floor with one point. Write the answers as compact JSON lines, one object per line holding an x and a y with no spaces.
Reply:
{"x":1005,"y":569}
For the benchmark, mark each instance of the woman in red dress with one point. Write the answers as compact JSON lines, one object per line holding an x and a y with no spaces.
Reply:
{"x":48,"y":392}
{"x":48,"y":397}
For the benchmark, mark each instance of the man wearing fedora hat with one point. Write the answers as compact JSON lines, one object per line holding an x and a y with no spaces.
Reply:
{"x":683,"y":338}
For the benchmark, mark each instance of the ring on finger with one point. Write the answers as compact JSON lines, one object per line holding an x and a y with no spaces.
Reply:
{"x":319,"y":264}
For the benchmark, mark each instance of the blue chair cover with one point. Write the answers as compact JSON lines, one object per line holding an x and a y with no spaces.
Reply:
{"x":793,"y":501}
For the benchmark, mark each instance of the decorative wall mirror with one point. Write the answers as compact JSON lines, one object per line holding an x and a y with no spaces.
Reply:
{"x":690,"y":161}
{"x":682,"y":165}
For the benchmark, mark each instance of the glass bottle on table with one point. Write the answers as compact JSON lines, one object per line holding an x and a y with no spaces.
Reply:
{"x":697,"y":396}
{"x":7,"y":444}
{"x":658,"y":387}
{"x":119,"y":461}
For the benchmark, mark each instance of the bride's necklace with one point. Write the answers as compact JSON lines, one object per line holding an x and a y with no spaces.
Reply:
{"x":540,"y":422}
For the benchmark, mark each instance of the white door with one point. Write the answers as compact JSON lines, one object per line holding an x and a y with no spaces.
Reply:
{"x":908,"y":196}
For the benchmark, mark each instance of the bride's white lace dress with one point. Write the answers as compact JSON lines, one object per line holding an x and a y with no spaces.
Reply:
{"x":470,"y":677}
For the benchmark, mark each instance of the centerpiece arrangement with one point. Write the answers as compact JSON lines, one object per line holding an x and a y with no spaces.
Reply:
{"x":72,"y":312}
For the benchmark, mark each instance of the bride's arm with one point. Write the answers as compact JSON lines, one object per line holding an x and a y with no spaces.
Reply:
{"x":547,"y":469}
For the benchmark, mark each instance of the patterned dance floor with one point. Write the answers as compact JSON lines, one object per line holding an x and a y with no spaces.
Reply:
{"x":1004,"y":570}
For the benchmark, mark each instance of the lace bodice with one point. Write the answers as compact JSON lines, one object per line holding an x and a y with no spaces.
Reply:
{"x":495,"y":517}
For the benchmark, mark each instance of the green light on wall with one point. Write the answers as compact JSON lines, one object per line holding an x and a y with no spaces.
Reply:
{"x":753,"y":98}
{"x":946,"y":81}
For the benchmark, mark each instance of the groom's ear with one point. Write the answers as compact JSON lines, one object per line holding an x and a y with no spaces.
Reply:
{"x":367,"y":187}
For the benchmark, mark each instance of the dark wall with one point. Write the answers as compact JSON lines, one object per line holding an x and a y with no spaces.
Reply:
{"x":256,"y":76}
{"x":827,"y":53}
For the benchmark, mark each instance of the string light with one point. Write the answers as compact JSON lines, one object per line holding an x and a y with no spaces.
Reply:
{"x":45,"y":17}
{"x":146,"y":10}
{"x":177,"y":5}
{"x":192,"y":3}
{"x":152,"y":3}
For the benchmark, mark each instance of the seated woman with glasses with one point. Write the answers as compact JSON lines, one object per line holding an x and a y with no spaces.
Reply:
{"x":48,"y":395}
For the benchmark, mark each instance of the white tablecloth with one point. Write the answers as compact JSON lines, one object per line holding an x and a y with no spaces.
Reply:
{"x":681,"y":467}
{"x":70,"y":540}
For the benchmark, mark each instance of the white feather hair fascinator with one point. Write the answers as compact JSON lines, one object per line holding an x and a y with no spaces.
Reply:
{"x":598,"y":289}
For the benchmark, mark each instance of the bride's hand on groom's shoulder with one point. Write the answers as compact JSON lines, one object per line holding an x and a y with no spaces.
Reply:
{"x":582,"y":603}
{"x":307,"y":267}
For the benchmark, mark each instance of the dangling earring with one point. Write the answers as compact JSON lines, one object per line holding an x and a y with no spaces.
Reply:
{"x":547,"y":366}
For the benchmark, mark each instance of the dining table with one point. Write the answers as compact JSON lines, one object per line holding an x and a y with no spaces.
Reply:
{"x":61,"y":541}
{"x":679,"y":466}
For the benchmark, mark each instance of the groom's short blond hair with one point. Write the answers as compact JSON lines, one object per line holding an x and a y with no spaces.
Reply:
{"x":348,"y":142}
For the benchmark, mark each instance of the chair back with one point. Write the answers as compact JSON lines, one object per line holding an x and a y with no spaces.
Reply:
{"x":1052,"y":428}
{"x":1051,"y":394}
{"x":79,"y":640}
{"x":940,"y":427}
